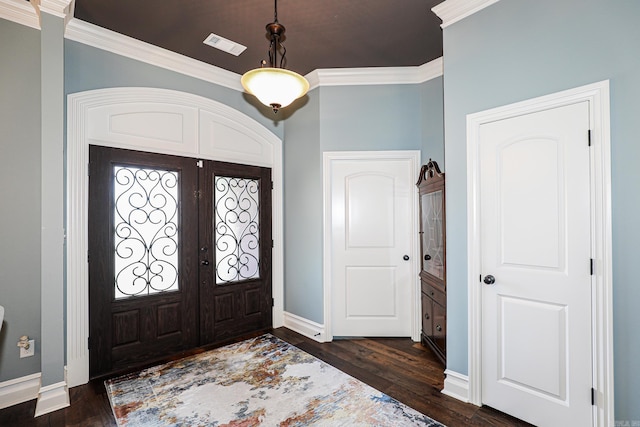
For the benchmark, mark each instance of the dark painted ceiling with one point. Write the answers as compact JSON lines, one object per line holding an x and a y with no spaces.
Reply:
{"x":319,"y":33}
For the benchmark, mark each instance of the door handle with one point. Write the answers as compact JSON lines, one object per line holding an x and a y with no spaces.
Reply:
{"x":204,"y":262}
{"x":489,"y":280}
{"x":427,"y":257}
{"x":406,"y":257}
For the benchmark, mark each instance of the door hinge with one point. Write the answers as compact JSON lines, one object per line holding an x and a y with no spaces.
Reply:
{"x":200,"y":164}
{"x":272,"y":244}
{"x":88,"y":169}
{"x":273,"y":302}
{"x":88,"y":343}
{"x":197,"y":194}
{"x":591,"y":266}
{"x":593,"y":396}
{"x":88,"y":256}
{"x":589,"y":136}
{"x":272,"y":185}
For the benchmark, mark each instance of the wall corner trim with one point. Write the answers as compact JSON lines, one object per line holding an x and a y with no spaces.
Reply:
{"x":51,"y":398}
{"x":376,"y":75}
{"x":451,"y":11}
{"x":308,"y":328}
{"x":456,"y":385}
{"x":20,"y":12}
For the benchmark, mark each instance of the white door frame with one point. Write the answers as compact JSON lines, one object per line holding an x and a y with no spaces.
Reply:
{"x":329,"y":156}
{"x":208,"y":130}
{"x":597,"y":95}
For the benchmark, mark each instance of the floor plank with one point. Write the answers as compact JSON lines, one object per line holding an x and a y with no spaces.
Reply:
{"x":404,"y":370}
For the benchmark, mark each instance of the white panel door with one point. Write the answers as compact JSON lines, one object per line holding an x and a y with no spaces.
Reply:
{"x":536,"y":244}
{"x":371,"y":217}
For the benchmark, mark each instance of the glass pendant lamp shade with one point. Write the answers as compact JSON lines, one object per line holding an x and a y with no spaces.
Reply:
{"x":272,"y":84}
{"x":275,"y":87}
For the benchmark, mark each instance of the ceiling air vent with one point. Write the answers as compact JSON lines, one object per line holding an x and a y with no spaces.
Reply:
{"x":223,"y":44}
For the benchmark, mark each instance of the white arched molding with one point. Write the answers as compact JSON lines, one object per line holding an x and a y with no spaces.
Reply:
{"x":162,"y":121}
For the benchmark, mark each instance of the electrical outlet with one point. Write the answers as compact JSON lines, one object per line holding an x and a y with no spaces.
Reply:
{"x":30,"y":351}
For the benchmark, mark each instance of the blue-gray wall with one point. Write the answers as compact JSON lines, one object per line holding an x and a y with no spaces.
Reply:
{"x":344,"y":118}
{"x":20,"y":191}
{"x":432,"y":119}
{"x":519,"y":49}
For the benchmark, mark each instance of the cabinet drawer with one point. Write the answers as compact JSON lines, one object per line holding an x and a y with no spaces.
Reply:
{"x":435,"y":293}
{"x":427,"y":316}
{"x":440,"y":327}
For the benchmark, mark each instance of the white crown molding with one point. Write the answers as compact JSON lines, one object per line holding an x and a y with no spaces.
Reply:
{"x":20,"y":12}
{"x":23,"y":13}
{"x":129,"y":47}
{"x":451,"y":11}
{"x":60,"y":8}
{"x":375,"y":75}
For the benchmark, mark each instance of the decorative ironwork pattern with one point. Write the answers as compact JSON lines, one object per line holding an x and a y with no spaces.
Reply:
{"x":146,"y":231}
{"x":237,"y":229}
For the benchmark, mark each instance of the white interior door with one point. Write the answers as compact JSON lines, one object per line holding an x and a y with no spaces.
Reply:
{"x":536,"y":242}
{"x":372,"y":270}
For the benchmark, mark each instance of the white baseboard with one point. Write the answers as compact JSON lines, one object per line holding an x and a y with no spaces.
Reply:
{"x":305,"y":327}
{"x":19,"y":390}
{"x":456,"y":385}
{"x":52,"y":398}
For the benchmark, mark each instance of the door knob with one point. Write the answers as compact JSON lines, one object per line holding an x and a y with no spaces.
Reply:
{"x":489,"y":280}
{"x":427,"y":257}
{"x":406,"y":257}
{"x":204,"y":262}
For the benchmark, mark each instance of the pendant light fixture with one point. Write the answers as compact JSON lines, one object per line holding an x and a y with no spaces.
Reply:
{"x":271,"y":83}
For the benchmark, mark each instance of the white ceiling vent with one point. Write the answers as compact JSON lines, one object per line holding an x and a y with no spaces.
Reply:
{"x":223,"y":44}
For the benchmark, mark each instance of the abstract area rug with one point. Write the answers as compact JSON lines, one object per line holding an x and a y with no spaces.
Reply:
{"x":262,"y":381}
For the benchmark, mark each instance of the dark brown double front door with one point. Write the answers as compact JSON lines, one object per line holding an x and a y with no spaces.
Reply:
{"x":179,"y":255}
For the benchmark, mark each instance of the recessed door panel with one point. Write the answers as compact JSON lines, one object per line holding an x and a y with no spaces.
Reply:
{"x":522,"y":322}
{"x":531,"y":185}
{"x":368,"y":210}
{"x":370,"y":292}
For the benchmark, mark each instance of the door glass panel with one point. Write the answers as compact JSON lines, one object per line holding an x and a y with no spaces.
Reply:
{"x":146,"y":231}
{"x":237,"y":227}
{"x":432,"y":244}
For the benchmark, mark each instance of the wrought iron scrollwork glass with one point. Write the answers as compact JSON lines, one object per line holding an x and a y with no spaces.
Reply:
{"x":146,"y":231}
{"x":237,"y":227}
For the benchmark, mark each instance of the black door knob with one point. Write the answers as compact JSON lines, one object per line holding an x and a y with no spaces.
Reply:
{"x":427,"y":257}
{"x":489,"y":280}
{"x":406,"y":257}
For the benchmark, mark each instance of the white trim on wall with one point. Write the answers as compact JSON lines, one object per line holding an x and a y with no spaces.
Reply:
{"x":376,"y":76}
{"x":101,"y":38}
{"x":456,"y":385}
{"x":93,"y":35}
{"x":19,"y":390}
{"x":82,"y":129}
{"x":451,"y":11}
{"x":306,"y":327}
{"x":597,"y":95}
{"x":20,"y":12}
{"x":414,"y":157}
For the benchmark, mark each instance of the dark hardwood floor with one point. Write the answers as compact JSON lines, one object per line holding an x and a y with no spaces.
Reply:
{"x":404,"y":370}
